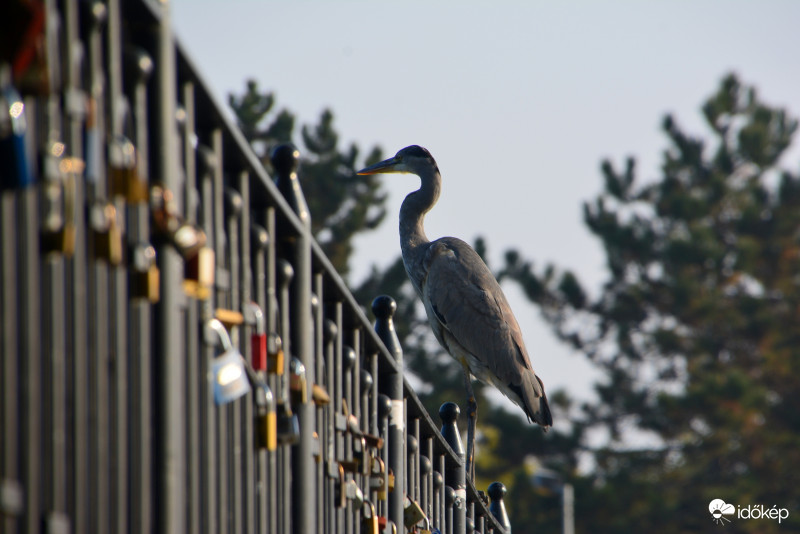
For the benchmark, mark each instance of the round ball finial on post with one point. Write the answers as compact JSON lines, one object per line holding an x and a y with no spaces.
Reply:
{"x":348,"y":357}
{"x":329,"y":331}
{"x":286,"y":160}
{"x":497,"y":491}
{"x":384,"y":406}
{"x":366,"y":381}
{"x":384,"y":308}
{"x":259,"y":237}
{"x":448,"y":413}
{"x":285,"y":273}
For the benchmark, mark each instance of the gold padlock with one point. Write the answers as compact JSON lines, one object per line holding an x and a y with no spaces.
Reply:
{"x":320,"y":395}
{"x":371,"y":521}
{"x":412,"y":512}
{"x":125,"y":181}
{"x":298,"y":385}
{"x":391,"y":480}
{"x":146,"y":285}
{"x":342,"y":500}
{"x":106,"y":233}
{"x":275,"y":361}
{"x":199,"y":274}
{"x":145,"y":278}
{"x":229,"y":318}
{"x":377,"y":480}
{"x":58,"y":203}
{"x":266,"y":419}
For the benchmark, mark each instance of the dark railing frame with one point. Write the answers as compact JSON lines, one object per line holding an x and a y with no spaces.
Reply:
{"x":108,"y":418}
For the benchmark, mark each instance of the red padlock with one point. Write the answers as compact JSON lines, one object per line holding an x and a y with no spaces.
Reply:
{"x":258,"y":341}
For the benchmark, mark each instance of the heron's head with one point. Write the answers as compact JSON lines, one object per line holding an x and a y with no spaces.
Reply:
{"x":412,"y":159}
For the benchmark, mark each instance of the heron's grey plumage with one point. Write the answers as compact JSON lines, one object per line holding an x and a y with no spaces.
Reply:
{"x":467,"y":310}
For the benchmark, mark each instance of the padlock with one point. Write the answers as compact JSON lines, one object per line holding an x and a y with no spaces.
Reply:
{"x":341,"y":492}
{"x":362,"y":454}
{"x":106,"y":233}
{"x":354,"y":494}
{"x":371,"y":525}
{"x":350,"y":466}
{"x":275,"y":362}
{"x":298,"y":385}
{"x":316,"y":448}
{"x":230,"y":377}
{"x":266,"y":418}
{"x":320,"y":395}
{"x":412,"y":512}
{"x":125,"y":181}
{"x":229,"y":318}
{"x":187,"y":238}
{"x":288,"y":425}
{"x":376,"y":442}
{"x":228,"y":372}
{"x":427,"y":529}
{"x":198,"y":275}
{"x":390,"y":480}
{"x":16,"y":172}
{"x":377,"y":478}
{"x":57,"y":205}
{"x":144,"y":274}
{"x":258,"y":340}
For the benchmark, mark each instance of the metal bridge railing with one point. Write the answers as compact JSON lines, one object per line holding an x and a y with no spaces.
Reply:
{"x":178,"y":355}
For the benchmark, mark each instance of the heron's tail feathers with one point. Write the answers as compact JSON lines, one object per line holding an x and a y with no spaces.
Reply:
{"x":535,"y":399}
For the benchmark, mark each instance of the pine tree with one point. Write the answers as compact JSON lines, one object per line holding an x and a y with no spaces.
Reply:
{"x":695,"y":327}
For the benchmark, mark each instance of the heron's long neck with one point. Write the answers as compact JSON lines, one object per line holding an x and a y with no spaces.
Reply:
{"x":412,"y":229}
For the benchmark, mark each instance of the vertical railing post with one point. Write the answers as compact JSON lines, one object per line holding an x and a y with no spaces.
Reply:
{"x":170,"y":443}
{"x":497,"y":491}
{"x":285,"y":160}
{"x":455,"y":477}
{"x":384,"y":307}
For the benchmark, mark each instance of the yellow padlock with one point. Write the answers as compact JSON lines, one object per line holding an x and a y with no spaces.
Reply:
{"x":412,"y":512}
{"x":146,"y":285}
{"x":145,"y":278}
{"x":275,"y":361}
{"x":106,"y":233}
{"x":266,"y":419}
{"x":371,"y":520}
{"x":198,"y":276}
{"x":377,"y":479}
{"x":58,"y":202}
{"x":125,"y":181}
{"x":298,"y":385}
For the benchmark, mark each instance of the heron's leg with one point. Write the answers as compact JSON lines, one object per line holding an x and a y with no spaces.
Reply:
{"x":472,"y":414}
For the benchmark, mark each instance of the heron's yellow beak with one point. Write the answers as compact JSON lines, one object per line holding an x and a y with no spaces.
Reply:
{"x":385,"y":166}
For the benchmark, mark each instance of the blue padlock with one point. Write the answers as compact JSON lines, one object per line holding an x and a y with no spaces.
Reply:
{"x":230,"y":377}
{"x":14,"y":169}
{"x":227,"y":371}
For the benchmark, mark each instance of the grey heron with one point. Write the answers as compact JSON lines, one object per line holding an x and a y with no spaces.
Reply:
{"x":467,"y":310}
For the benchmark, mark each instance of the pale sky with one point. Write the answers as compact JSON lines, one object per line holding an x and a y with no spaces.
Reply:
{"x":517,"y":101}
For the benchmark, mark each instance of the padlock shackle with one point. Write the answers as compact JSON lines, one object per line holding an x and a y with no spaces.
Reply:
{"x":215,"y":332}
{"x":254,"y":314}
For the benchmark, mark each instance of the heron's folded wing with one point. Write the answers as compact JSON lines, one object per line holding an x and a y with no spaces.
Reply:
{"x":470,"y":304}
